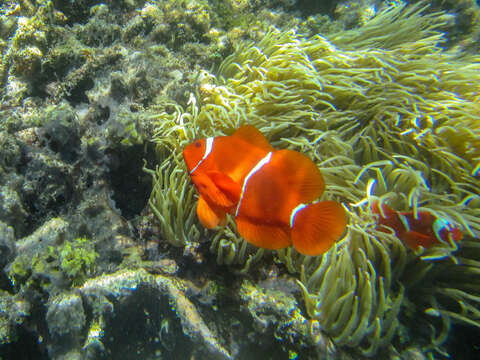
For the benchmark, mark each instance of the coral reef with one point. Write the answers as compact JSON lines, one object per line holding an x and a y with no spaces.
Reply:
{"x":98,"y":99}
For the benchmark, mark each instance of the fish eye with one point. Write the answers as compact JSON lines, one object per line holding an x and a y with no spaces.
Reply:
{"x":197,"y":144}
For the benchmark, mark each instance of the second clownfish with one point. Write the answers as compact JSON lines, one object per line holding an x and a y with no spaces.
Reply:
{"x":273,"y":194}
{"x":424,"y":230}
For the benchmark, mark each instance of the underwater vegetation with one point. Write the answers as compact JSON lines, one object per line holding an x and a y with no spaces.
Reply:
{"x":77,"y":259}
{"x":73,"y":261}
{"x":387,"y":116}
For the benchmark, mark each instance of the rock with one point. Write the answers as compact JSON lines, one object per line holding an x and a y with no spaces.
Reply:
{"x":166,"y":311}
{"x":65,"y":315}
{"x":13,"y":312}
{"x":7,"y":244}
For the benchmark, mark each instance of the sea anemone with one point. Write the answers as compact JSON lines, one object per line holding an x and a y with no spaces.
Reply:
{"x":387,"y":116}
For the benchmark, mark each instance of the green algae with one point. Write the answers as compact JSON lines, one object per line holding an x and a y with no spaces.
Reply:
{"x":74,"y":260}
{"x":19,"y":269}
{"x":127,"y":129}
{"x":77,"y":259}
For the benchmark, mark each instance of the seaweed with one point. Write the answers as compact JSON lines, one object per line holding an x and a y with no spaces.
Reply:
{"x":77,"y":259}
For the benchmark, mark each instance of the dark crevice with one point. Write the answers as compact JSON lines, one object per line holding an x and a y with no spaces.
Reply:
{"x":25,"y":347}
{"x":144,"y":324}
{"x":78,"y":93}
{"x":131,"y":185}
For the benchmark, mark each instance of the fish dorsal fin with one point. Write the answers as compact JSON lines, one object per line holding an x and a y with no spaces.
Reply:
{"x":210,"y":216}
{"x":252,"y":135}
{"x":299,"y":174}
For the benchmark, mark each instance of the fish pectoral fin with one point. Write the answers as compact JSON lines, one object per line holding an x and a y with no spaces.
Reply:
{"x":317,"y":226}
{"x":227,"y":185}
{"x":209,"y":189}
{"x":252,"y":135}
{"x":210,"y":216}
{"x":263,"y":235}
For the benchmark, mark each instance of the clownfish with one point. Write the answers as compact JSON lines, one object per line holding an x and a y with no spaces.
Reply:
{"x":425,"y":230}
{"x":273,"y":194}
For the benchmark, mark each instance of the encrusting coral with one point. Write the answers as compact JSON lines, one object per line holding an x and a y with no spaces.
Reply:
{"x":387,"y":116}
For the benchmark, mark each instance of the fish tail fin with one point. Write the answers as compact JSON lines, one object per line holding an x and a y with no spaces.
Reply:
{"x":317,"y":226}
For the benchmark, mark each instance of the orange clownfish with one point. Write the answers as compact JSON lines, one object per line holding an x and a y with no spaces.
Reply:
{"x":424,"y":230}
{"x":272,"y":193}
